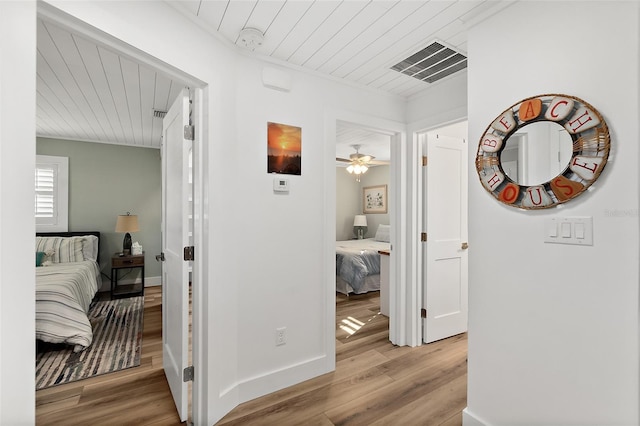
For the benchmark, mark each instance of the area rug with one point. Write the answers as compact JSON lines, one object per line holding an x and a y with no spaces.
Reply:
{"x":117,"y":339}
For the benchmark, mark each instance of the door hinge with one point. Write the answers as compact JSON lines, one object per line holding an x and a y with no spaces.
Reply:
{"x":189,"y":132}
{"x":187,"y":374}
{"x":423,"y":313}
{"x":189,"y":253}
{"x":160,"y":257}
{"x":424,"y":160}
{"x":423,"y":236}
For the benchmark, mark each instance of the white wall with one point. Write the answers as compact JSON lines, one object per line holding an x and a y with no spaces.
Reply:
{"x":17,"y":162}
{"x":265,"y":264}
{"x":348,"y":203}
{"x":287,"y":284}
{"x":553,"y":329}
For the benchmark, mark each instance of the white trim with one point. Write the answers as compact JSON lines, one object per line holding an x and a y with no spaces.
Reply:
{"x":469,"y":419}
{"x":329,"y":269}
{"x":282,"y":378}
{"x":152,"y":281}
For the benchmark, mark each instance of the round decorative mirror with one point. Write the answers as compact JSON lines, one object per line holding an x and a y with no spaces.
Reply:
{"x":543,"y":151}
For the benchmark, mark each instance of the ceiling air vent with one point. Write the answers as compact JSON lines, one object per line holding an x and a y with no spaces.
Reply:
{"x":159,"y":114}
{"x":432,"y":63}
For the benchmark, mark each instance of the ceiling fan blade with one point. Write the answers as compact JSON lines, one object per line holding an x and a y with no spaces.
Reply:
{"x":343,"y":159}
{"x":379,"y":162}
{"x":361,"y":157}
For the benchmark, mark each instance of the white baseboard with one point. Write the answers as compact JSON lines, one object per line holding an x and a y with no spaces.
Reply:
{"x":152,"y":281}
{"x":469,"y":419}
{"x":273,"y":381}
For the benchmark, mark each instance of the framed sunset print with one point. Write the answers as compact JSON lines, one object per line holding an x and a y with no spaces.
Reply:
{"x":284,"y":149}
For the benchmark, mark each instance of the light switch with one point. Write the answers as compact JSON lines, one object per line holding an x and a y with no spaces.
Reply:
{"x":569,"y":230}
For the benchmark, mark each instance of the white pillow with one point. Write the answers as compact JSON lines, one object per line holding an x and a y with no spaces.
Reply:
{"x":89,"y":247}
{"x":382,"y":234}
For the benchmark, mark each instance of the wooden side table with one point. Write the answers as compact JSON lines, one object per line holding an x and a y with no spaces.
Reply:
{"x":128,"y":261}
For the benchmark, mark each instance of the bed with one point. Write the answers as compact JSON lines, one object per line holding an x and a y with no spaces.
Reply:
{"x":358,"y":263}
{"x":67,"y":279}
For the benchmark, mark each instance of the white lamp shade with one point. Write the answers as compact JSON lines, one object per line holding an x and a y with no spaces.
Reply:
{"x":360,"y":220}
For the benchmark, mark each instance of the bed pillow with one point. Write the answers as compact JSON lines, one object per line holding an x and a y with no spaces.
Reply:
{"x":382,"y":234}
{"x":89,"y":247}
{"x":66,"y":249}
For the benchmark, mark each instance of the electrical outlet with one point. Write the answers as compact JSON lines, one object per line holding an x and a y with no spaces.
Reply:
{"x":281,"y":336}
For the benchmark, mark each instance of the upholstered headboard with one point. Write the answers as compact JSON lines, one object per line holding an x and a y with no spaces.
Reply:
{"x":72,"y":234}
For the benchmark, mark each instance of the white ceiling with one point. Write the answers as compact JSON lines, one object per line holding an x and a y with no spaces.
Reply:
{"x":87,"y":91}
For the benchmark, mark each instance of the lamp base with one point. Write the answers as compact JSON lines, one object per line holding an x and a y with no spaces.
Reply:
{"x":126,"y":244}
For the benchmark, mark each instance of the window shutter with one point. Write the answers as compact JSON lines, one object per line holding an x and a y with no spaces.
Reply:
{"x":51,"y":193}
{"x":46,"y":182}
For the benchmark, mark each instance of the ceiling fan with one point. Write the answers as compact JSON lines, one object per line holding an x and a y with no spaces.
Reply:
{"x":358,"y":163}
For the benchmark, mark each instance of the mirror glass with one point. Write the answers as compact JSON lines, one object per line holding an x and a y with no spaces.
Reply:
{"x":536,"y":153}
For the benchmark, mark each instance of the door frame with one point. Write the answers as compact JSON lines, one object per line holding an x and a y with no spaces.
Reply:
{"x":52,"y":14}
{"x":397,"y":201}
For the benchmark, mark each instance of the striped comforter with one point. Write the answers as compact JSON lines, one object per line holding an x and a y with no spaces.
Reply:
{"x":63,"y":294}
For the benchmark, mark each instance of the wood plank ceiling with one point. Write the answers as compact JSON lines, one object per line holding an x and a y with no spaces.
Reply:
{"x":87,"y":91}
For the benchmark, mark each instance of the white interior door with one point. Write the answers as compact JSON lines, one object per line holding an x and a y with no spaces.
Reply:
{"x":445,"y":260}
{"x":175,"y":279}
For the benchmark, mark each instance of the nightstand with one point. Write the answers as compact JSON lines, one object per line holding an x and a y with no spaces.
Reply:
{"x":128,"y":261}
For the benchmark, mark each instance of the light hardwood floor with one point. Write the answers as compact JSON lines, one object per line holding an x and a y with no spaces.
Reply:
{"x":375,"y":383}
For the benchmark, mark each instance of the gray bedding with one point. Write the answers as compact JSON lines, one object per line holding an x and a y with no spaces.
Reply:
{"x":356,"y":259}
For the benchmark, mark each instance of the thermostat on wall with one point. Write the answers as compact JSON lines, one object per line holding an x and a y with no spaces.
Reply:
{"x":281,"y":185}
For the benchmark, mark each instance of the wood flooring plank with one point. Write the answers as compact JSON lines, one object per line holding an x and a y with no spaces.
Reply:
{"x":433,"y":408}
{"x":295,"y":411}
{"x":375,"y":382}
{"x":345,"y":369}
{"x":397,"y":394}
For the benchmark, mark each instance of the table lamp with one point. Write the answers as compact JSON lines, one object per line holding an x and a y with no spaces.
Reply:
{"x":360,"y":225}
{"x":127,"y":223}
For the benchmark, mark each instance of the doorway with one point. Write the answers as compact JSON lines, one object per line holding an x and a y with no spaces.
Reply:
{"x":363,"y":157}
{"x":117,"y":47}
{"x":395,"y":134}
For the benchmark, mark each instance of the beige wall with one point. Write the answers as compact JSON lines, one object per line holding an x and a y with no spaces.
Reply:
{"x":349,"y":200}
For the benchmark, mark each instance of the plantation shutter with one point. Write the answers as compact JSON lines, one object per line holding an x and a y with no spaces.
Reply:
{"x":46,"y":177}
{"x":51,"y":193}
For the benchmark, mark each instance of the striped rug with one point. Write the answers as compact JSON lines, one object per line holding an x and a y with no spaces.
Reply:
{"x":117,"y":339}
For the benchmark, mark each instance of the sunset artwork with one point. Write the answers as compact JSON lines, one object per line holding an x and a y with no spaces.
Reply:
{"x":284,"y":149}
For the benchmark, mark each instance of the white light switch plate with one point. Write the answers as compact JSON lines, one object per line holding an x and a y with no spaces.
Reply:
{"x":569,"y":230}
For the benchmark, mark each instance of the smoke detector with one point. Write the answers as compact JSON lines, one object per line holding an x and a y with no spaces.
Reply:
{"x":250,"y":38}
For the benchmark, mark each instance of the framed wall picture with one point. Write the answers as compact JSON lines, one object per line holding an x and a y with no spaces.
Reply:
{"x":374,"y":199}
{"x":284,"y":146}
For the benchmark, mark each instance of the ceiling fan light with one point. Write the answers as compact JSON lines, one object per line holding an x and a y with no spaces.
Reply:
{"x":350,"y":168}
{"x":363,"y":168}
{"x":357,"y":169}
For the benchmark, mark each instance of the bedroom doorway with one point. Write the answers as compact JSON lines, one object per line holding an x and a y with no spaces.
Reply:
{"x":362,"y":306}
{"x":136,"y":58}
